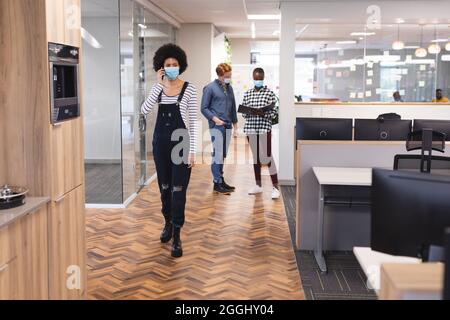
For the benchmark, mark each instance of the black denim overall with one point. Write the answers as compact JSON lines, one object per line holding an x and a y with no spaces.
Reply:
{"x":173,"y":178}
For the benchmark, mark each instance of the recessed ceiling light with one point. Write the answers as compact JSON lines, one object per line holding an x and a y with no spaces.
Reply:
{"x":253,"y":30}
{"x":264,"y":17}
{"x":346,"y":42}
{"x":357,"y":34}
{"x":142,"y":26}
{"x":439,"y":40}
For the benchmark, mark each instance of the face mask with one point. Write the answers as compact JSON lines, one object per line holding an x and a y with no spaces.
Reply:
{"x":259,"y":83}
{"x":172,"y":73}
{"x":227,"y":81}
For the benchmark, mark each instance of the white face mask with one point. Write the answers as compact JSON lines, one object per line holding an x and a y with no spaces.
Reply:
{"x":227,"y":80}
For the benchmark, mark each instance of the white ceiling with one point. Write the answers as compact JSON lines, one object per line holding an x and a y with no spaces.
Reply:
{"x":230,"y":16}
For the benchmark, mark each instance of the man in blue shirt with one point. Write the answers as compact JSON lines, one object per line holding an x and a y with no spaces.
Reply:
{"x":219,"y":107}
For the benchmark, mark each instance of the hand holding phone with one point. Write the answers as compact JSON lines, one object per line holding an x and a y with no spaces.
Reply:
{"x":161,"y":74}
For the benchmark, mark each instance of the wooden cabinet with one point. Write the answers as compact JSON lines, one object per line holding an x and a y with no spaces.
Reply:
{"x":64,"y":21}
{"x":24,"y":258}
{"x":35,"y":252}
{"x":67,"y":157}
{"x":423,"y":281}
{"x":67,"y":247}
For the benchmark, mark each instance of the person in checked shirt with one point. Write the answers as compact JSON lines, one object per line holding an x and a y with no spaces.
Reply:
{"x":258,"y":129}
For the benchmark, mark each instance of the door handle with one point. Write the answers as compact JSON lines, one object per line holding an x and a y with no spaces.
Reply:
{"x":61,"y":199}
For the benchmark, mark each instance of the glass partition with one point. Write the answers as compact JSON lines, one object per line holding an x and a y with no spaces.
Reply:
{"x":101,"y":102}
{"x":361,"y":65}
{"x":120,"y":38}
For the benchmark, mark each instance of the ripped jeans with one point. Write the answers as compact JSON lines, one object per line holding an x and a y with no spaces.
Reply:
{"x":173,"y":176}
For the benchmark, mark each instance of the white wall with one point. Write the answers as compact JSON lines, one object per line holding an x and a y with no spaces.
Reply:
{"x":287,"y":89}
{"x":101,"y":91}
{"x":197,"y":40}
{"x":241,"y":50}
{"x":219,"y":54}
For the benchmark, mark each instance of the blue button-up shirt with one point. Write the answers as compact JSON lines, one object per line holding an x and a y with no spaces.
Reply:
{"x":219,"y":101}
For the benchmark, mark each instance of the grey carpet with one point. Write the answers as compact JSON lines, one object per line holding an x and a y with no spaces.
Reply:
{"x":104,"y":184}
{"x":345,"y":279}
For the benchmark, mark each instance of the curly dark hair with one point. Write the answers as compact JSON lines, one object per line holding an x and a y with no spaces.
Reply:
{"x":168,"y":51}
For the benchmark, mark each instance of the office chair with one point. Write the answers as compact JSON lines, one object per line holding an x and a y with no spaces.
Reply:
{"x":389,"y":116}
{"x":426,"y":141}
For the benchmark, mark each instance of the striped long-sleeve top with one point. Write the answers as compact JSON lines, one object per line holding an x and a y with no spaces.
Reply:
{"x":188,"y":109}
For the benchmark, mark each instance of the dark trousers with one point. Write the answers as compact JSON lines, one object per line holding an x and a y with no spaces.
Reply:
{"x":173,"y":178}
{"x":261,"y":146}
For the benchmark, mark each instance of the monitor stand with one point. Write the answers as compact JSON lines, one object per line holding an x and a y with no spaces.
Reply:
{"x":433,"y":254}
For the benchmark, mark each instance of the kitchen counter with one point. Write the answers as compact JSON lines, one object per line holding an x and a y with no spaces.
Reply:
{"x":31,"y":205}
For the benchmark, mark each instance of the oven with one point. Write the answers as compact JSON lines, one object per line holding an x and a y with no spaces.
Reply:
{"x":64,"y":82}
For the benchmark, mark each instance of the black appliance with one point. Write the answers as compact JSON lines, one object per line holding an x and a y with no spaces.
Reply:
{"x":410,"y":212}
{"x":64,"y":82}
{"x":324,"y":129}
{"x":442,"y":126}
{"x":382,"y":130}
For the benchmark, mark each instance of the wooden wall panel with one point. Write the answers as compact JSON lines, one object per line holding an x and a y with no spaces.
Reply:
{"x":72,"y":29}
{"x":67,"y":157}
{"x":67,"y":244}
{"x":24,"y":258}
{"x":55,"y":11}
{"x":64,"y":21}
{"x":24,"y":94}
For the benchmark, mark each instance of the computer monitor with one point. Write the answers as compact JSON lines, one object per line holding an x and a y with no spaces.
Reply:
{"x":410,"y":212}
{"x":436,"y":125}
{"x":324,"y":129}
{"x":382,"y":130}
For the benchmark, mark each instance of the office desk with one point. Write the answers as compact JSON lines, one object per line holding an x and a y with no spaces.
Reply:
{"x":344,"y":228}
{"x":371,"y":262}
{"x":328,"y":176}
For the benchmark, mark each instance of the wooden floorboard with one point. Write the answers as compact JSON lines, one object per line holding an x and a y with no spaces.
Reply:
{"x":236,"y":247}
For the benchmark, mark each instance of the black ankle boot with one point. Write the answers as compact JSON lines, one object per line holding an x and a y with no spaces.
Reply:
{"x":167,"y":233}
{"x":227,"y":186}
{"x":177,"y":249}
{"x":220,"y":189}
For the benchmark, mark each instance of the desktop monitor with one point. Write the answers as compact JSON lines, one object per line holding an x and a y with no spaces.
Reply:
{"x":324,"y":129}
{"x":436,"y":125}
{"x":410,"y":212}
{"x":382,"y":130}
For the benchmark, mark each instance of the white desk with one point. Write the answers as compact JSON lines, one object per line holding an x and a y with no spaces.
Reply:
{"x":329,"y":176}
{"x":344,"y":176}
{"x":371,"y":262}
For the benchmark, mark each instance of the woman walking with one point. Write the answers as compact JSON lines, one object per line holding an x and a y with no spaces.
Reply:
{"x":177,"y":117}
{"x":259,"y":131}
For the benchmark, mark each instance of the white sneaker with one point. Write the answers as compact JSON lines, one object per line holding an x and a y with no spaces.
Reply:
{"x":255,"y":190}
{"x":276,"y":194}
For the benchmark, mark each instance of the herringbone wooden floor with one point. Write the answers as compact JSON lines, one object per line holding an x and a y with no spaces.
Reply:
{"x":236,"y":247}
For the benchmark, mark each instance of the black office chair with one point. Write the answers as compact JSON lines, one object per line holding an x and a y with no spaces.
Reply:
{"x":389,"y":116}
{"x":426,"y":141}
